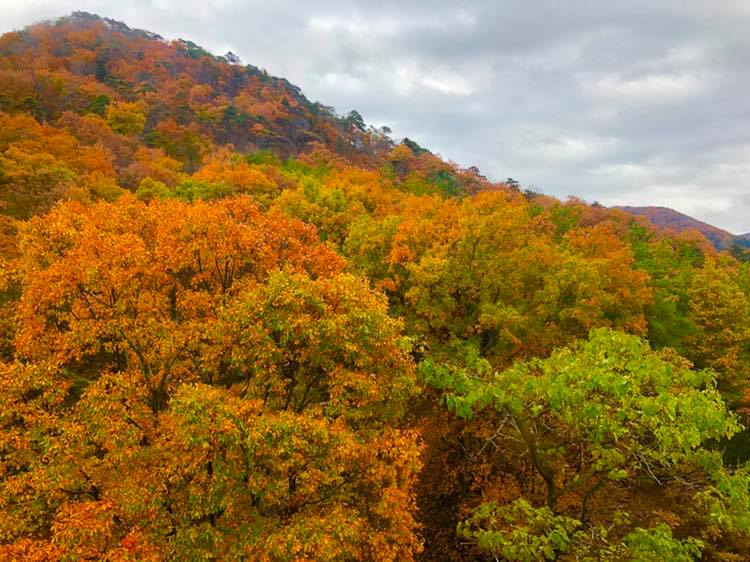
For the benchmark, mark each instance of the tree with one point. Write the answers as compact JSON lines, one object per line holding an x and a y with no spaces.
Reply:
{"x":671,"y":265}
{"x":99,"y":105}
{"x":720,"y":311}
{"x":126,"y":118}
{"x":199,"y":380}
{"x":604,"y":415}
{"x":487,"y":272}
{"x":355,"y":119}
{"x":139,"y":283}
{"x":521,"y":532}
{"x":31,"y":183}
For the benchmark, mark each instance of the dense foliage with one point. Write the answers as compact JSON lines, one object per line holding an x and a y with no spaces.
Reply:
{"x":236,"y":325}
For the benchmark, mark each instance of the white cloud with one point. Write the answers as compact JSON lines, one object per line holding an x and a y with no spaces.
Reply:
{"x":357,"y":26}
{"x":652,"y":87}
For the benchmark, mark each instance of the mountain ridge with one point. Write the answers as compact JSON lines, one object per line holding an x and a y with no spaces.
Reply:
{"x":185,"y":92}
{"x":666,"y":217}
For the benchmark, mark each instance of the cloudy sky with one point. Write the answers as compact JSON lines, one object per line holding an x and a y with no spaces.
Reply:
{"x":635,"y":102}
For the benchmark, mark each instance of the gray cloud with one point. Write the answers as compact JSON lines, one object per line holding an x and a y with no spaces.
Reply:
{"x":625,"y":102}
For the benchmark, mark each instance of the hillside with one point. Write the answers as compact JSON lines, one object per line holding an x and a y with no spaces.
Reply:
{"x":235,"y":325}
{"x":132,"y":100}
{"x":664,"y":217}
{"x":176,"y":85}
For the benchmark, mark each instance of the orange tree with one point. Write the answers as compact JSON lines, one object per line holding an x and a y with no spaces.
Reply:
{"x":201,"y":380}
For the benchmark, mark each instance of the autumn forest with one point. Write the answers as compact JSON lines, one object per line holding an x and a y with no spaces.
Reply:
{"x":237,"y":325}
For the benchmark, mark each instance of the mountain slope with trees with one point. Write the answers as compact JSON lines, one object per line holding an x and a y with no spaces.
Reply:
{"x":236,"y":325}
{"x":664,"y":217}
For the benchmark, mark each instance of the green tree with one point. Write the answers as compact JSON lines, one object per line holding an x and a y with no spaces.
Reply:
{"x":606,"y":414}
{"x":354,"y":118}
{"x":126,"y":118}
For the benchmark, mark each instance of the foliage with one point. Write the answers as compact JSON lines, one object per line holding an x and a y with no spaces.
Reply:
{"x":521,"y":532}
{"x":214,"y":293}
{"x":126,"y":118}
{"x":217,"y":388}
{"x":607,"y":413}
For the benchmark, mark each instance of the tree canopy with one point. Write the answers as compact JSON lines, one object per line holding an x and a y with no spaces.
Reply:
{"x":235,"y":325}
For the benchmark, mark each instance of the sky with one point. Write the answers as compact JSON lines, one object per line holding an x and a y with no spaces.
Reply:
{"x":625,"y":102}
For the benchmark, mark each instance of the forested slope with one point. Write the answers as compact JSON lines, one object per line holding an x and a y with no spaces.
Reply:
{"x":671,"y":219}
{"x":238,"y":326}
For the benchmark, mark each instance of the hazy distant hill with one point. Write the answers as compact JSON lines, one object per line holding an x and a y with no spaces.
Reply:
{"x":665,"y":217}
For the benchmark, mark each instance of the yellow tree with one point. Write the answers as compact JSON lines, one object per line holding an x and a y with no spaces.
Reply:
{"x":720,"y":311}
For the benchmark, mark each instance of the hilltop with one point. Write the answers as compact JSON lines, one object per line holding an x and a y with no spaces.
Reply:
{"x":667,"y":218}
{"x":102,"y":62}
{"x":177,"y":98}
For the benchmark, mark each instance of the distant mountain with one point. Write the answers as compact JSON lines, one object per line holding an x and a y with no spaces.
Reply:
{"x":664,"y":217}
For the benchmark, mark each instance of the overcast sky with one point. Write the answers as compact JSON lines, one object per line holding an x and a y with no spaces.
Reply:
{"x":633,"y":102}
